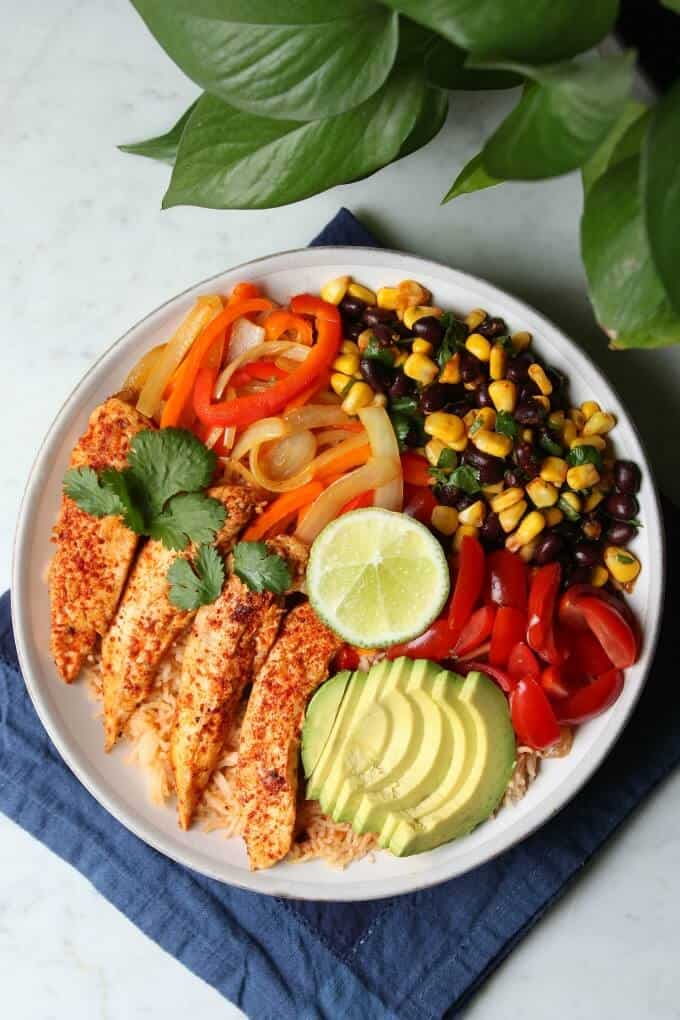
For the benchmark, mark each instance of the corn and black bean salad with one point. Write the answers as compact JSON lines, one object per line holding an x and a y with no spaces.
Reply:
{"x":510,"y":459}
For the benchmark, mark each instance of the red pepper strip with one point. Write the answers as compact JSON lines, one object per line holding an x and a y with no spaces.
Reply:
{"x":419,"y":503}
{"x":362,"y":500}
{"x":262,"y":369}
{"x":435,"y":643}
{"x":554,"y":684}
{"x":506,"y":579}
{"x":246,"y":409}
{"x":282,"y":321}
{"x":611,"y":629}
{"x":523,"y":662}
{"x":476,"y":630}
{"x":415,"y":470}
{"x":592,"y":699}
{"x":347,"y":658}
{"x":502,"y":678}
{"x":468,"y":585}
{"x":509,"y":629}
{"x":532,"y":715}
{"x":543,"y":593}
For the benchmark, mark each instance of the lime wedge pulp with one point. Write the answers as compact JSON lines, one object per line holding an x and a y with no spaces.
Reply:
{"x":377,"y":577}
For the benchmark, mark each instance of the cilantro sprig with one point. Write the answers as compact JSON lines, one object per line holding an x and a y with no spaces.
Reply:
{"x":159,"y":493}
{"x":584,"y":455}
{"x":455,"y":333}
{"x":260,"y":569}
{"x":506,"y":424}
{"x":198,"y":583}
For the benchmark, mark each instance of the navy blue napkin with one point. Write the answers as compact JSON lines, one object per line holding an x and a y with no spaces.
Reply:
{"x":415,"y":957}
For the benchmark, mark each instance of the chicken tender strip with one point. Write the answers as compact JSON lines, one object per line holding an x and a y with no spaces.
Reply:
{"x":266,"y":777}
{"x":229,"y":639}
{"x":93,"y":555}
{"x":147,"y":622}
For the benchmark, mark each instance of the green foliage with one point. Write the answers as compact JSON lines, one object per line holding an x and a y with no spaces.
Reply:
{"x":197,"y":584}
{"x":261,"y":570}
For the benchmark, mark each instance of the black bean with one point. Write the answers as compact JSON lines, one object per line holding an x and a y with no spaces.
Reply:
{"x":626,"y":476}
{"x":352,"y":307}
{"x":401,"y":329}
{"x":383,"y":334}
{"x":491,"y":469}
{"x":621,"y":505}
{"x":491,"y":328}
{"x":558,"y":380}
{"x":373,"y":315}
{"x":621,"y":533}
{"x":429,"y":328}
{"x":460,"y":406}
{"x":568,"y":530}
{"x":549,"y":547}
{"x":482,"y":395}
{"x":587,"y":554}
{"x":352,"y":329}
{"x":402,"y":386}
{"x":526,"y":459}
{"x":518,"y":367}
{"x":491,"y":532}
{"x":530,"y":413}
{"x":528,"y":389}
{"x":380,"y":377}
{"x":514,"y":477}
{"x":451,"y":495}
{"x":576,"y":575}
{"x":470,"y":367}
{"x":436,"y":396}
{"x":413,"y":437}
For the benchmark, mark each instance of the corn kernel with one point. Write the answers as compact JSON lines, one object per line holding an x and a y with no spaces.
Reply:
{"x":532,"y":525}
{"x":572,"y":501}
{"x":421,"y":347}
{"x":520,"y":341}
{"x":593,"y":500}
{"x":364,"y":339}
{"x":493,"y":490}
{"x":590,"y":407}
{"x":503,"y":392}
{"x":445,"y":519}
{"x":537,"y":375}
{"x":461,"y":532}
{"x":554,"y":469}
{"x":599,"y":424}
{"x":526,"y":552}
{"x":527,"y":435}
{"x":388,"y":297}
{"x":510,"y":518}
{"x":411,"y":315}
{"x":356,"y":290}
{"x":621,"y":564}
{"x":542,"y":493}
{"x":475,"y":318}
{"x":493,"y":443}
{"x":401,"y":359}
{"x":349,"y":347}
{"x":410,"y":295}
{"x":592,"y":529}
{"x":339,"y":383}
{"x":543,"y":401}
{"x":473,"y":514}
{"x":569,"y":432}
{"x":347,"y":363}
{"x":451,"y":371}
{"x":553,"y":515}
{"x":507,"y":498}
{"x":582,"y":477}
{"x":576,"y":415}
{"x":334,"y":290}
{"x":556,"y":420}
{"x":360,"y":395}
{"x":470,"y":418}
{"x":597,"y":441}
{"x":479,"y":346}
{"x":599,"y":576}
{"x":447,"y":427}
{"x":421,"y":368}
{"x":433,"y":451}
{"x":460,"y":444}
{"x":379,"y":400}
{"x":486,"y":417}
{"x":498,"y":362}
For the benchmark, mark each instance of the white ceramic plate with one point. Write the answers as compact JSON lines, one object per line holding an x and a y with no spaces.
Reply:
{"x":68,"y":714}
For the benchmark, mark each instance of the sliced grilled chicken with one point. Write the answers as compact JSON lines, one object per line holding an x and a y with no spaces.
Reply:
{"x":266,"y":777}
{"x":147,"y":623}
{"x":229,"y":639}
{"x":93,"y":556}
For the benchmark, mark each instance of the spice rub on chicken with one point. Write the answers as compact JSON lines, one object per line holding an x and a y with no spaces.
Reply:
{"x":267,"y":772}
{"x":147,"y":622}
{"x":229,"y":640}
{"x":93,"y":555}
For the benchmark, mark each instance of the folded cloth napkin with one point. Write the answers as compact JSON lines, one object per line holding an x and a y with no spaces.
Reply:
{"x":415,"y":957}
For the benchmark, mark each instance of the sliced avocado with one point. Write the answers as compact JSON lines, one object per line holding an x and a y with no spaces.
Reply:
{"x":320,"y":717}
{"x":416,"y":754}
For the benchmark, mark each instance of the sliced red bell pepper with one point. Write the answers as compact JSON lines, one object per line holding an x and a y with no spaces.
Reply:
{"x":554,"y":684}
{"x":509,"y":629}
{"x":506,"y":579}
{"x":592,"y":699}
{"x":476,"y":630}
{"x":468,"y":584}
{"x":415,"y":470}
{"x":435,"y":643}
{"x":364,"y":499}
{"x":533,"y":717}
{"x":543,"y":592}
{"x":611,"y":629}
{"x":523,"y":662}
{"x":262,"y":369}
{"x":246,"y":409}
{"x":501,"y":676}
{"x":419,"y":503}
{"x":282,"y":321}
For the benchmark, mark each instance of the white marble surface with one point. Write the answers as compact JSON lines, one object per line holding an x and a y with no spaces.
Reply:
{"x":85,"y":252}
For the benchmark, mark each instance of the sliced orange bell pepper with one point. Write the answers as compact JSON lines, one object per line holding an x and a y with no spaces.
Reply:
{"x":345,"y":461}
{"x":262,"y":369}
{"x":282,"y":321}
{"x":243,"y":292}
{"x":287,"y":503}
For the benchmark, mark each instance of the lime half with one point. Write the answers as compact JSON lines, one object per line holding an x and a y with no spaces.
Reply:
{"x":377,"y":577}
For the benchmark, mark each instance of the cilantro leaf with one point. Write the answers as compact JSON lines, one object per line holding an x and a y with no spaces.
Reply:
{"x":188,"y":516}
{"x":374,"y":352}
{"x":466,"y":478}
{"x":123,"y":486}
{"x":169,"y":461}
{"x":550,"y":445}
{"x":199,"y":584}
{"x":455,"y":333}
{"x":584,"y":455}
{"x":624,"y":558}
{"x":84,"y":487}
{"x":447,"y":461}
{"x":259,"y":569}
{"x":506,"y":424}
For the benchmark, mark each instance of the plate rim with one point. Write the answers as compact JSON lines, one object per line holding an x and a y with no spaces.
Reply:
{"x":266,"y":882}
